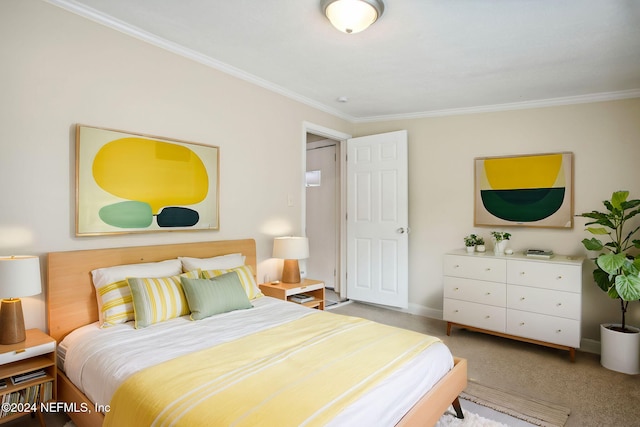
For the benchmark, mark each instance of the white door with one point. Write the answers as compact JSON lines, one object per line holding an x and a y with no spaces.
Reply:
{"x":322,"y":224}
{"x":377,"y":219}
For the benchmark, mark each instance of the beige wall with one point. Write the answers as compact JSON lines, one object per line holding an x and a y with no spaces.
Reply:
{"x":605,"y":140}
{"x":59,"y":69}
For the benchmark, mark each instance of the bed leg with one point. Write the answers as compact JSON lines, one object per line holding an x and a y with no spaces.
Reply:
{"x":458,"y":408}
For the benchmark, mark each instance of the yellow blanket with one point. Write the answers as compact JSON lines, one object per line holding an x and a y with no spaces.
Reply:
{"x":300,"y":373}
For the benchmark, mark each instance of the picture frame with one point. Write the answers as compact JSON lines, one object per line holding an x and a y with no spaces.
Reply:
{"x":134,"y":183}
{"x":532,"y":190}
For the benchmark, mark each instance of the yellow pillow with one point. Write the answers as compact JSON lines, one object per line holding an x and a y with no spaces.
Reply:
{"x":156,"y":299}
{"x":246,"y":279}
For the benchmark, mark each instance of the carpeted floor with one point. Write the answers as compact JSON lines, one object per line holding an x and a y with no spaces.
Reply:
{"x":596,"y":396}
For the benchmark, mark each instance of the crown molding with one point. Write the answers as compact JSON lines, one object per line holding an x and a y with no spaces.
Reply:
{"x":123,"y":27}
{"x":541,"y":103}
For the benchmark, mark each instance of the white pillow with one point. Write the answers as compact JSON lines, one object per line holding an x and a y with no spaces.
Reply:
{"x":113,"y":293}
{"x":216,"y":263}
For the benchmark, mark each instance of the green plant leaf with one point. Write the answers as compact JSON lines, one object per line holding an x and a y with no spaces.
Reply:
{"x":602,"y":280}
{"x":628,"y":287}
{"x":618,"y":197}
{"x":613,"y":293}
{"x":611,"y":263}
{"x":592,"y":244}
{"x":598,"y":230}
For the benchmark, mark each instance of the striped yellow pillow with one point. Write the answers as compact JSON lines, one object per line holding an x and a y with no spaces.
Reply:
{"x":112,"y":290}
{"x":156,"y":299}
{"x":117,"y":304}
{"x":246,"y":278}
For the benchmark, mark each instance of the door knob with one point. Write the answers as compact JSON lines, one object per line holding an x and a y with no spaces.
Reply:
{"x":401,"y":230}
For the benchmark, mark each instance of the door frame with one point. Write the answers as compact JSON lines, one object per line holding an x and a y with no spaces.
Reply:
{"x":341,"y":143}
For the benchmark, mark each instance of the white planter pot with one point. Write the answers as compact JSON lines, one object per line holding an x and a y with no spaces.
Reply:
{"x":620,"y":351}
{"x":499,"y":247}
{"x":480,"y":248}
{"x":471,"y":249}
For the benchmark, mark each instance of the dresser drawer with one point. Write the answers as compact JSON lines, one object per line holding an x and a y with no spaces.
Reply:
{"x":543,"y":328}
{"x":561,"y":277}
{"x":490,"y":293}
{"x":473,"y":314}
{"x":544,"y":301}
{"x":475,"y":267}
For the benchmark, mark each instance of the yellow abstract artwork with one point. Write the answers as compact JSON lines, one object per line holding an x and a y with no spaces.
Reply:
{"x":531,"y":190}
{"x":134,"y":183}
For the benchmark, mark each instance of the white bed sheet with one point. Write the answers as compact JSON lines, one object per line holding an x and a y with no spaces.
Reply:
{"x":98,"y":360}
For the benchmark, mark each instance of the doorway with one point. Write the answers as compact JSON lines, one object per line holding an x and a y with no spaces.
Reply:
{"x":323,"y":189}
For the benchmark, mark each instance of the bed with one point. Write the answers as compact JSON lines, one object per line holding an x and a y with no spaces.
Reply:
{"x":73,"y":312}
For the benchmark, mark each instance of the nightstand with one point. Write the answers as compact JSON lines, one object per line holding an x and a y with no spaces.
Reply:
{"x":37,"y":354}
{"x":284,"y":291}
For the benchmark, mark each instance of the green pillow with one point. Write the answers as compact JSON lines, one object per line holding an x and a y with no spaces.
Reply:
{"x":220,"y":294}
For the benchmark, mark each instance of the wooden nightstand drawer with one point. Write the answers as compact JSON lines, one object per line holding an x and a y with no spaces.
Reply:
{"x":26,"y":353}
{"x":284,"y":291}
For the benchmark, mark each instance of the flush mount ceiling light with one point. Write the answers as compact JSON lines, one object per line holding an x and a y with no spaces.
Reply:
{"x":352,"y":16}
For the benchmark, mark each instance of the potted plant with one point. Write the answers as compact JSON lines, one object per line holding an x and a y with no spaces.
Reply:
{"x":470,"y":242}
{"x":617,"y":273}
{"x":480,"y":244}
{"x":500,"y":241}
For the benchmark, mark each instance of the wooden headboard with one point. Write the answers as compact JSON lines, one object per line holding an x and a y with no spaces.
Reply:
{"x":71,"y":297}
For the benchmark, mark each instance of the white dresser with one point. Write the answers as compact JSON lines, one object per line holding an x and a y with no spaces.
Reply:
{"x":515,"y":296}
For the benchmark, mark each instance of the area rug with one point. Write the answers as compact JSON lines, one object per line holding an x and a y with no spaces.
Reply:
{"x":534,"y":411}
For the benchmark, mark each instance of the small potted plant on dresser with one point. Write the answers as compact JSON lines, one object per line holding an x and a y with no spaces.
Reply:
{"x":470,"y":242}
{"x":480,"y":244}
{"x":617,"y":273}
{"x":500,"y":241}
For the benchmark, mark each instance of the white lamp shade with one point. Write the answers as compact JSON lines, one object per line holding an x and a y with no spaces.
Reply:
{"x":19,"y":276}
{"x":353,"y":16}
{"x":291,"y":247}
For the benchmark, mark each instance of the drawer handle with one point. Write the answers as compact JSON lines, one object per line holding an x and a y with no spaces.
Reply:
{"x":487,"y":317}
{"x":456,"y":311}
{"x":488,"y":293}
{"x":559,"y":278}
{"x":487,"y":269}
{"x":456,"y":289}
{"x":456,"y":266}
{"x":521,"y":323}
{"x":559,"y":304}
{"x":522,"y":298}
{"x":22,"y":350}
{"x":522,"y":273}
{"x":558,"y":331}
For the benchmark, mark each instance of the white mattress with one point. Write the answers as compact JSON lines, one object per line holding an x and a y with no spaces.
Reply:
{"x":98,"y":360}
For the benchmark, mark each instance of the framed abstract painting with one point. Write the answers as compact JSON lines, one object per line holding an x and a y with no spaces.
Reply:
{"x":131,"y":183}
{"x":534,"y":190}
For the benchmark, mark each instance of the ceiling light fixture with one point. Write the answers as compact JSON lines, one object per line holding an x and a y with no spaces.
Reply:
{"x":352,"y":16}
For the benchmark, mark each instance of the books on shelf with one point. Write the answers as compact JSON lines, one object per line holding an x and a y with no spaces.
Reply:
{"x":539,"y":253}
{"x":301,"y":298}
{"x":19,"y":379}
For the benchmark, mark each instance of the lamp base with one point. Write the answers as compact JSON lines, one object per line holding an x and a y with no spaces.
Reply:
{"x":291,"y":271}
{"x":11,"y":322}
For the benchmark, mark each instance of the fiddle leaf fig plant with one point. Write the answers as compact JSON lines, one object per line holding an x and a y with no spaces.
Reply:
{"x":617,"y":266}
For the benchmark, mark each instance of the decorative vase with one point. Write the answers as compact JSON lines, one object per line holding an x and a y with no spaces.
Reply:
{"x":499,"y":247}
{"x":480,"y":248}
{"x":620,"y":351}
{"x":471,"y":249}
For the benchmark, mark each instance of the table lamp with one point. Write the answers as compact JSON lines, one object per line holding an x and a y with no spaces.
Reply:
{"x":19,"y":277}
{"x":291,"y":249}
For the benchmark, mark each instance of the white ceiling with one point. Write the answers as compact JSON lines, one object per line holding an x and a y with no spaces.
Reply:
{"x":422,"y":58}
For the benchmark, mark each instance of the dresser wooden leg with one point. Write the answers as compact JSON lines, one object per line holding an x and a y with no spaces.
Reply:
{"x":572,"y":355}
{"x":448,"y":328}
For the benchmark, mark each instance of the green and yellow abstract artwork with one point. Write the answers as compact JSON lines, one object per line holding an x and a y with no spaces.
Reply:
{"x":133,"y":183}
{"x":530,"y":190}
